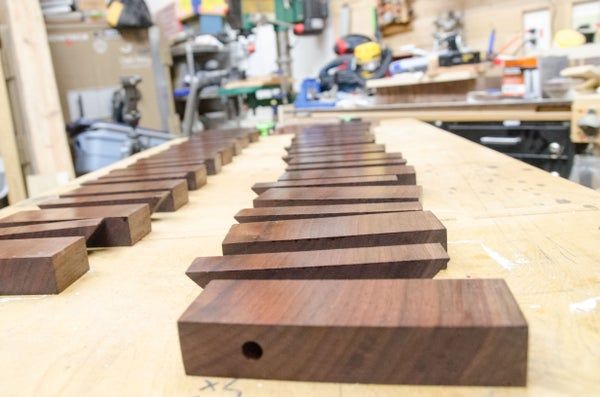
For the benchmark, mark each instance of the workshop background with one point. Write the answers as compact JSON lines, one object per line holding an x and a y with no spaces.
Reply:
{"x":299,"y":198}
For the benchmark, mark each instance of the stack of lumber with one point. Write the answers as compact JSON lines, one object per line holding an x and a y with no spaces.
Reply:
{"x":47,"y":250}
{"x":329,"y":277}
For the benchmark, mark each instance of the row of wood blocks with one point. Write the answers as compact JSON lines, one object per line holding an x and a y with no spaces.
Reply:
{"x":44,"y":251}
{"x":329,"y":278}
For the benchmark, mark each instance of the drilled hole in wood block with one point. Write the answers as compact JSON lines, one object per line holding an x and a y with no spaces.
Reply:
{"x":252,"y":350}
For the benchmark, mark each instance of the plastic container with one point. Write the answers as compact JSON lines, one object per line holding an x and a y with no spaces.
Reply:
{"x":98,"y":148}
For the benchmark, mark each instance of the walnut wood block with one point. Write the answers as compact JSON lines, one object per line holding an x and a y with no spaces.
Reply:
{"x":363,"y":148}
{"x":378,"y":180}
{"x":194,"y":175}
{"x":285,"y":197}
{"x":213,"y":165}
{"x":405,"y":173}
{"x":177,"y":189}
{"x":339,"y":158}
{"x":396,"y":228}
{"x":336,"y":151}
{"x":153,"y":199}
{"x":122,"y":225}
{"x":226,"y":153}
{"x":398,"y":261}
{"x":418,"y":331}
{"x":346,"y":164}
{"x":306,"y":143}
{"x":85,"y":228}
{"x":217,"y":142}
{"x":42,"y":265}
{"x":321,"y":211}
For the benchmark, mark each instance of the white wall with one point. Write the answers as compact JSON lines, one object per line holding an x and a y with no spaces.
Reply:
{"x":155,"y":5}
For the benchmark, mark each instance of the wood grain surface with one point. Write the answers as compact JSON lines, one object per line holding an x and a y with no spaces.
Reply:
{"x":339,"y":158}
{"x":154,"y":200}
{"x":85,"y":228}
{"x":41,"y":265}
{"x":203,"y":152}
{"x":177,"y":189}
{"x":371,"y":230}
{"x":331,"y":141}
{"x":122,"y":225}
{"x":377,"y":180}
{"x":418,"y":331}
{"x":399,"y":261}
{"x":405,"y":173}
{"x":321,"y":211}
{"x":285,"y":197}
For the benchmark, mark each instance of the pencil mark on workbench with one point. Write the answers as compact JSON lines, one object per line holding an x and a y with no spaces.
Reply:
{"x":593,"y":207}
{"x":562,"y":201}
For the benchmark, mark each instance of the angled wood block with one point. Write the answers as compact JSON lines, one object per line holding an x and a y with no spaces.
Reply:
{"x":235,"y":145}
{"x":396,"y":228}
{"x":195,"y":176}
{"x":122,"y":225}
{"x":213,"y":165}
{"x":177,"y":189}
{"x":405,"y":173}
{"x":321,"y":211}
{"x":346,"y":164}
{"x":398,"y":261}
{"x":285,"y":197}
{"x":339,"y":158}
{"x":41,"y":265}
{"x":180,"y":151}
{"x":417,"y":331}
{"x":378,"y":180}
{"x":363,"y":148}
{"x":153,"y":199}
{"x":85,"y":228}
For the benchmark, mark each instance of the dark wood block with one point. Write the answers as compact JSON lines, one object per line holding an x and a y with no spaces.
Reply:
{"x":177,"y":189}
{"x":42,"y":265}
{"x":418,"y":331}
{"x":226,"y":153}
{"x":396,"y":228}
{"x":405,"y":173}
{"x":337,"y":141}
{"x":339,"y":158}
{"x":285,"y":197}
{"x":364,"y":148}
{"x":398,"y":261}
{"x":85,"y":228}
{"x":378,"y":180}
{"x":346,"y":164}
{"x":213,"y":165}
{"x":321,"y":211}
{"x":122,"y":225}
{"x":195,"y":178}
{"x":235,"y":145}
{"x":153,"y":199}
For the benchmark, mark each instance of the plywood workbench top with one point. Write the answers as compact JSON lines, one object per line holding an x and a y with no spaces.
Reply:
{"x":113,"y":332}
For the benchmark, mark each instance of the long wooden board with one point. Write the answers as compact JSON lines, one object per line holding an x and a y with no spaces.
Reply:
{"x":398,"y":228}
{"x":194,"y":180}
{"x":377,"y":180}
{"x":336,"y":142}
{"x":154,"y":200}
{"x":285,"y":197}
{"x":122,"y":225}
{"x":420,"y":331}
{"x":346,"y":164}
{"x":364,"y":148}
{"x":213,"y":165}
{"x":42,"y":265}
{"x":339,"y":158}
{"x":177,"y":189}
{"x":265,"y":214}
{"x":398,"y":261}
{"x":405,"y":173}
